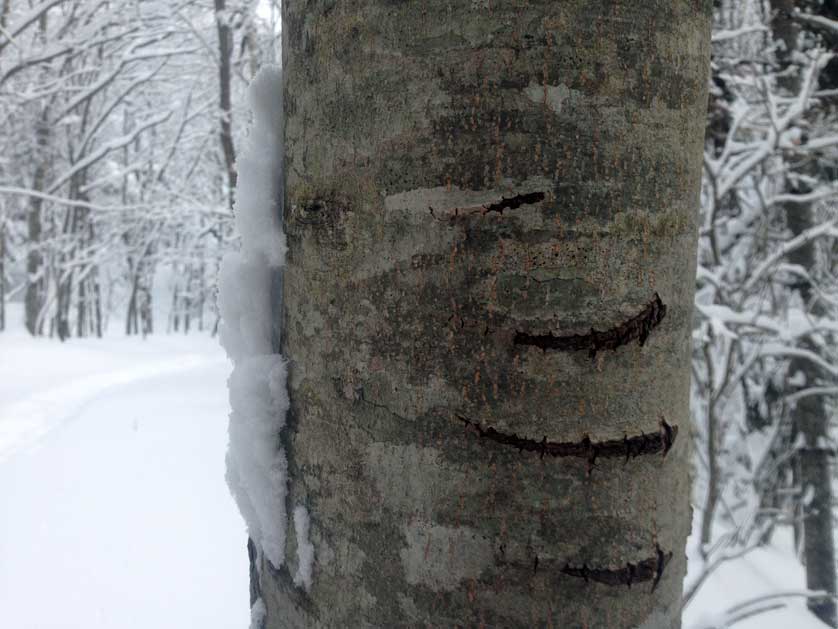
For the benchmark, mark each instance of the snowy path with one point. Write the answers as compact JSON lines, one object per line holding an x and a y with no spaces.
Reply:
{"x":113,"y":508}
{"x":24,"y":422}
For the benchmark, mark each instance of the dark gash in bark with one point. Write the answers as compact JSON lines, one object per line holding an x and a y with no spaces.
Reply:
{"x":636,"y":328}
{"x":625,"y":448}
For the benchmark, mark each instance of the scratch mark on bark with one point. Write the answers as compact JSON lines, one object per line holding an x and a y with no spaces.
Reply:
{"x":511,"y":203}
{"x":650,"y":569}
{"x":625,"y":448}
{"x":637,"y":328}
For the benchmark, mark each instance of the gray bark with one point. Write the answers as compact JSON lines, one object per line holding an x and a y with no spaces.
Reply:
{"x":490,"y":210}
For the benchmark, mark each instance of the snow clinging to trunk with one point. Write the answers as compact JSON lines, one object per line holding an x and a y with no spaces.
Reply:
{"x":256,"y":463}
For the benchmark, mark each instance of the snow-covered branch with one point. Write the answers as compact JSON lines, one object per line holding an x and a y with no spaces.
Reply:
{"x":824,"y":229}
{"x":108,"y":147}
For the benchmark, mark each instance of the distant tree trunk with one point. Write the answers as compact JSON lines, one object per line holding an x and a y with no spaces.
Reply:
{"x":65,"y":277}
{"x":81,"y":308}
{"x":202,"y":291}
{"x":3,"y":254}
{"x":490,"y":210}
{"x":809,"y":415}
{"x":97,"y":306}
{"x":174,"y":314}
{"x":131,"y":324}
{"x":93,"y":280}
{"x":35,"y":286}
{"x":187,"y":312}
{"x":711,"y":499}
{"x":140,"y":316}
{"x":225,"y":51}
{"x":814,"y":457}
{"x":146,"y":313}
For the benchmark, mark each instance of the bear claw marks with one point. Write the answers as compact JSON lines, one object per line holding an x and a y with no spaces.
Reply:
{"x":650,"y":569}
{"x":513,"y":203}
{"x":505,"y":203}
{"x":637,"y":328}
{"x":625,"y":448}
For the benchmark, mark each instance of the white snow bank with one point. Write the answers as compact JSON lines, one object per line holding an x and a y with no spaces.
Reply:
{"x":305,"y":549}
{"x":256,"y":464}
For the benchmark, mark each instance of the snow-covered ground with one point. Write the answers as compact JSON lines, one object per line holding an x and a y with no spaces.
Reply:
{"x":768,"y":579}
{"x":114,"y":513}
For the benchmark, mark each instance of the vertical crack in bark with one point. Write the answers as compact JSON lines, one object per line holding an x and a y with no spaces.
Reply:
{"x":650,"y":569}
{"x":637,"y":328}
{"x":625,"y":448}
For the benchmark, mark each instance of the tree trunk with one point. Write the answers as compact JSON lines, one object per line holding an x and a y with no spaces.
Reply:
{"x":147,"y":315}
{"x":131,"y":326}
{"x":711,"y":499}
{"x":490,"y":210}
{"x":33,"y":299}
{"x":81,"y":308}
{"x":2,"y":274}
{"x":225,"y":51}
{"x":811,"y":419}
{"x":5,"y":7}
{"x":809,"y":415}
{"x":174,"y":319}
{"x":97,"y":306}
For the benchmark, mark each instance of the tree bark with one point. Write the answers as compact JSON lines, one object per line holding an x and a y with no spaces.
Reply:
{"x":490,"y":210}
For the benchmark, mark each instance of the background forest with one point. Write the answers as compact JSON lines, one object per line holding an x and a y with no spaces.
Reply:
{"x":119,"y":127}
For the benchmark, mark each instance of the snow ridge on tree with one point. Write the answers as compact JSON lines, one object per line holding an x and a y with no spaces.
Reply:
{"x":256,"y":462}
